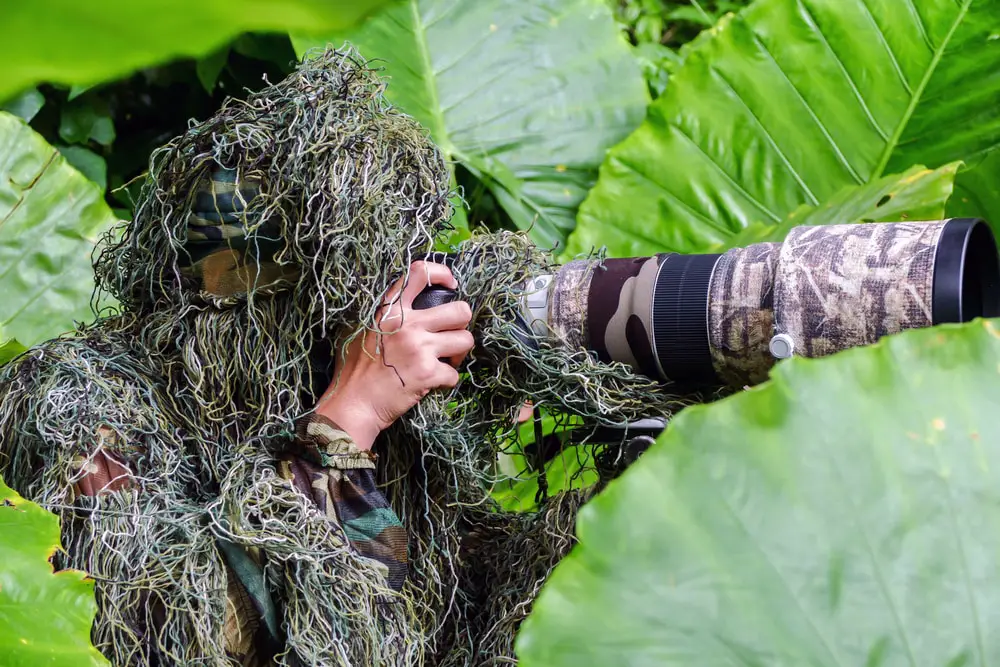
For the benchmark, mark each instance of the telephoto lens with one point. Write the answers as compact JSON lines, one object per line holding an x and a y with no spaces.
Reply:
{"x":724,"y":319}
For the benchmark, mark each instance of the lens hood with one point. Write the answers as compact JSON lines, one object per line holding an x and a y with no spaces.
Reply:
{"x":966,"y":272}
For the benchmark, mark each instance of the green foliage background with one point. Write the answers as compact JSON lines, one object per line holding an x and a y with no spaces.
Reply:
{"x":45,"y":617}
{"x":643,"y":126}
{"x":844,"y":513}
{"x":516,"y":94}
{"x":791,"y":102}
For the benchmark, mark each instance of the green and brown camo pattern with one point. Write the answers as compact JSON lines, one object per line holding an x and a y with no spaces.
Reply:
{"x":829,"y":288}
{"x":606,"y":307}
{"x":229,"y":251}
{"x":620,"y":313}
{"x":326,"y":465}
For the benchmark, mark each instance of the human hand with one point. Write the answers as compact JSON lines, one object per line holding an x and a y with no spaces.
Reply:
{"x":384,"y":375}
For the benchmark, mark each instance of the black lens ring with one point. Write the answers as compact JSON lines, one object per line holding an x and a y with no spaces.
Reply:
{"x":966,"y":273}
{"x":680,"y":319}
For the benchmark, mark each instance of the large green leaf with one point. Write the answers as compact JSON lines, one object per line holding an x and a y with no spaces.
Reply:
{"x":63,"y":41}
{"x":916,"y":194}
{"x":50,"y":218}
{"x":9,"y":347}
{"x":977,"y":190}
{"x":847,"y":512}
{"x":45,"y":618}
{"x":787,"y":103}
{"x":526,"y":94}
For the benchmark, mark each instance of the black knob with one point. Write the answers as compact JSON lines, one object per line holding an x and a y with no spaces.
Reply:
{"x":434,"y":296}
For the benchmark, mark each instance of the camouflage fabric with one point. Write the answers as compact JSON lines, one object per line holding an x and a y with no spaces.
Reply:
{"x":842,"y":286}
{"x":219,"y":216}
{"x":621,"y":329}
{"x":829,"y":288}
{"x":606,"y":306}
{"x":326,"y":466}
{"x":740,"y":316}
{"x":242,"y":625}
{"x":232,"y":252}
{"x":340,"y":479}
{"x":228,"y":250}
{"x":568,"y":307}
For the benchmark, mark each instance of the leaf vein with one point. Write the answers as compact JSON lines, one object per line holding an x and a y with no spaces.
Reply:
{"x":843,"y":68}
{"x":784,"y":583}
{"x":812,"y":113}
{"x":888,"y":49}
{"x":430,"y":83}
{"x":964,"y":562}
{"x":687,"y":207}
{"x":920,"y":24}
{"x":870,"y":551}
{"x":916,"y":96}
{"x":770,"y":139}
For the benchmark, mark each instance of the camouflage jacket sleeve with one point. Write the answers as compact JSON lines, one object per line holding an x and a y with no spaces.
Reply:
{"x":326,"y":465}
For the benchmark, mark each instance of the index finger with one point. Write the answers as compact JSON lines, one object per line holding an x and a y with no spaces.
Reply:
{"x":424,"y":274}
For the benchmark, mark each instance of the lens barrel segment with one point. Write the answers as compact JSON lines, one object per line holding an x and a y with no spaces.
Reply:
{"x":718,"y":319}
{"x":680,"y":309}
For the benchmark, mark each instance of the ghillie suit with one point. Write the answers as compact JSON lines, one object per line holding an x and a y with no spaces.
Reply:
{"x":224,"y":524}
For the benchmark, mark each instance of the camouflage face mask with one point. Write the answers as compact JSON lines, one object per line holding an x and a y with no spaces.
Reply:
{"x":230,"y":250}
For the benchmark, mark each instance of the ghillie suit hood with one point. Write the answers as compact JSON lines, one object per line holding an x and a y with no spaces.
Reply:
{"x":323,"y":196}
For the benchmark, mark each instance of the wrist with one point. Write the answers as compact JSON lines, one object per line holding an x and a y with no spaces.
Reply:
{"x":354,"y":417}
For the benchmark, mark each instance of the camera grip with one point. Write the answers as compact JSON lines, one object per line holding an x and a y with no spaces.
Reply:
{"x":433,"y":296}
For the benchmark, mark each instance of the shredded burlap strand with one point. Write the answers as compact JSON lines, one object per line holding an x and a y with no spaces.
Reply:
{"x":198,"y":392}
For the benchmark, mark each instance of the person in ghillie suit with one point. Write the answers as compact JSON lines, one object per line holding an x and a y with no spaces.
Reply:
{"x":264,"y":454}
